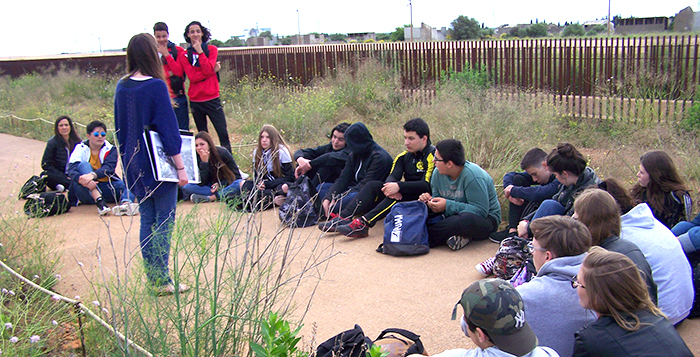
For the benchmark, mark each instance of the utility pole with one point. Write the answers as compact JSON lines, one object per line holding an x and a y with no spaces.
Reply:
{"x":410,"y":6}
{"x":609,"y":18}
{"x":298,"y":29}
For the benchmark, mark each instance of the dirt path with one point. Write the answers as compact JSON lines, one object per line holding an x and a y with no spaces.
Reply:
{"x":360,"y":286}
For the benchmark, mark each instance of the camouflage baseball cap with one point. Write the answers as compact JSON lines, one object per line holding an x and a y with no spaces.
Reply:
{"x":497,"y":308}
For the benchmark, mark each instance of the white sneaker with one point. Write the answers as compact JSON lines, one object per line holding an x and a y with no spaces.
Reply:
{"x":458,"y":242}
{"x":104,"y":210}
{"x":126,"y":209}
{"x":486,"y":267}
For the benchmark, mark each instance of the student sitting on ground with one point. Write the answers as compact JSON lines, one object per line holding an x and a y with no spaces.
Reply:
{"x":464,"y":194}
{"x":367,"y":162}
{"x":495,"y":320}
{"x":91,"y":168}
{"x":324,"y":164}
{"x":558,"y":247}
{"x":414,"y":166}
{"x":598,"y":210}
{"x":58,"y":150}
{"x":217,"y":169}
{"x":660,"y":186}
{"x":569,"y":167}
{"x":670,"y":268}
{"x":526,"y":190}
{"x":628,"y":323}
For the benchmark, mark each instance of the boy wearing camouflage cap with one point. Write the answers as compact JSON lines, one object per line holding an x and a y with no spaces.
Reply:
{"x":494,"y":319}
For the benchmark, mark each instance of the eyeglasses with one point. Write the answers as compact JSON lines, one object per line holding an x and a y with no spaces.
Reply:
{"x":575,"y":284}
{"x":532,"y":248}
{"x":96,"y":134}
{"x":438,"y":160}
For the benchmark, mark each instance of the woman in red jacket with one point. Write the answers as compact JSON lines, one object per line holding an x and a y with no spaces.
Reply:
{"x":199,"y":65}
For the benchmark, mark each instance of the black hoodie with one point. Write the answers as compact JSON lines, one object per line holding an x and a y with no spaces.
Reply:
{"x":367,"y":162}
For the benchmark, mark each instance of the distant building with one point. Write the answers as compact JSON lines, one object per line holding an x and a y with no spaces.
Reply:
{"x":635,"y":25}
{"x":309,"y":39}
{"x":257,"y":41}
{"x":685,"y":20}
{"x":588,"y":25}
{"x":424,"y":33}
{"x":362,"y":36}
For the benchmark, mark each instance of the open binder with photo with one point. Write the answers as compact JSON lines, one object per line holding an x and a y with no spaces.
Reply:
{"x":163,"y":166}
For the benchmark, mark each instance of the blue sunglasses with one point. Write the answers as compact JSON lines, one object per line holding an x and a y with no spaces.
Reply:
{"x":96,"y":134}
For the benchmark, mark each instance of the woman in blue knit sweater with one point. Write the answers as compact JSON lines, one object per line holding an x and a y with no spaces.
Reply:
{"x":142,"y":100}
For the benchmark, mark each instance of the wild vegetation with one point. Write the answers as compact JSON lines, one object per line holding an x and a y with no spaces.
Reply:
{"x":243,"y":283}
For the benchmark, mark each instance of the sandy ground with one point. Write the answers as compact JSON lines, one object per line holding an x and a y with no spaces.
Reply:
{"x":360,"y":286}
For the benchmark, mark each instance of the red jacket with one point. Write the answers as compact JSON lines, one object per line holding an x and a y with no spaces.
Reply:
{"x":174,"y":67}
{"x":204,"y":85}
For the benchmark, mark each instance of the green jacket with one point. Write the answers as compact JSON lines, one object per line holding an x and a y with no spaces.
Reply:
{"x":472,"y":192}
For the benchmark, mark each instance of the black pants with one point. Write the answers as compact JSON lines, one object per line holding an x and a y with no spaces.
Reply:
{"x":518,"y":213}
{"x":371,"y":202}
{"x":215,"y":112}
{"x":54,"y":179}
{"x":461,"y":224}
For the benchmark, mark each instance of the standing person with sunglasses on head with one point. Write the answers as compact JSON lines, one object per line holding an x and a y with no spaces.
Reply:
{"x":200,"y":65}
{"x":91,"y":169}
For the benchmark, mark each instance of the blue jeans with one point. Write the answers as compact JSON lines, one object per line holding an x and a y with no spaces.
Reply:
{"x":112,"y":191}
{"x":549,"y":208}
{"x":157,"y":219}
{"x":323,"y":188}
{"x":232,"y":190}
{"x":191,"y":188}
{"x":182,"y":112}
{"x":339,"y":205}
{"x":688,"y":234}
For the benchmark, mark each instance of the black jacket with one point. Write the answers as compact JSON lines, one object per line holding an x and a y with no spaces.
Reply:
{"x":367,"y":162}
{"x":326,"y":163}
{"x":55,"y":161}
{"x":656,"y":337}
{"x":632,"y":251}
{"x":207,"y":178}
{"x":416,"y":170}
{"x":567,"y":194}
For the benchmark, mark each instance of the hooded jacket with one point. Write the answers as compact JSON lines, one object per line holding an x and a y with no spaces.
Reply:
{"x":664,"y":253}
{"x":551,"y":305}
{"x":367,"y":162}
{"x":107,"y":156}
{"x":567,"y":194}
{"x":629,"y":249}
{"x":326,"y":163}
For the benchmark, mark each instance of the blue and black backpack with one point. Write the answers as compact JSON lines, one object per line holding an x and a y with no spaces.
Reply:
{"x":405,"y":230}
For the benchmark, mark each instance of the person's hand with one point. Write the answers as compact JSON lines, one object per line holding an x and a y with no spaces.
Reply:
{"x":214,"y":187}
{"x":261,"y":185}
{"x":163,"y":50}
{"x":91,"y":185}
{"x":217,"y":66}
{"x":304,"y":165}
{"x":516,"y":201}
{"x":390,"y":188}
{"x":86,"y":179}
{"x":506,"y":191}
{"x":437,"y":204}
{"x":397,"y":196}
{"x":182,"y":177}
{"x":326,"y":204}
{"x":425,"y":197}
{"x":522,"y":229}
{"x":197,"y":45}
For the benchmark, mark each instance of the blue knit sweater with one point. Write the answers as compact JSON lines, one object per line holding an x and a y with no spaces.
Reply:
{"x":137,"y":104}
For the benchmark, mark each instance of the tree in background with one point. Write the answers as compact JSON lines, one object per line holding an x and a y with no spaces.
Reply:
{"x":397,"y":35}
{"x":464,"y":28}
{"x":595,"y":30}
{"x":576,"y":30}
{"x":537,"y":30}
{"x":216,"y":43}
{"x":267,"y":34}
{"x":338,"y":37}
{"x":384,"y":37}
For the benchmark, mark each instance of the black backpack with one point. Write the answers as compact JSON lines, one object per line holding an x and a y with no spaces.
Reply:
{"x":399,"y":342}
{"x":298,"y":208}
{"x":350,"y":343}
{"x":35,"y":184}
{"x":46,"y":204}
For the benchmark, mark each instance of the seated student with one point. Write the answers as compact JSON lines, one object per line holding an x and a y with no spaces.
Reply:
{"x":558,"y":247}
{"x":598,"y":210}
{"x":688,"y":234}
{"x":464,"y":194}
{"x":375,"y":199}
{"x":367,"y":162}
{"x":495,"y":320}
{"x":523,"y":195}
{"x":58,"y":150}
{"x":569,"y":167}
{"x":217,"y":169}
{"x":272,"y":168}
{"x":91,"y":168}
{"x":628,"y":323}
{"x":324,"y":163}
{"x":670,"y":269}
{"x":660,"y":186}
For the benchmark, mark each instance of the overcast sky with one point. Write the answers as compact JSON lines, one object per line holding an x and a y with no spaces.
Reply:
{"x":51,"y":27}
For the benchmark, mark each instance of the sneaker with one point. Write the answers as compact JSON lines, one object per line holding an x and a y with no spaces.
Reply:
{"x":498,"y":237}
{"x":457,"y":242}
{"x":279,"y":200}
{"x":355,"y":229}
{"x":103,"y":210}
{"x":333,"y":222}
{"x":169,"y":289}
{"x":195,"y":198}
{"x":126,"y":209}
{"x":60,"y":188}
{"x":486,"y":267}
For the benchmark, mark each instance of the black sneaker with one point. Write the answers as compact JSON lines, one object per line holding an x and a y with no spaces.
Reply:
{"x":355,"y":229}
{"x":331,"y":224}
{"x":458,"y":242}
{"x":498,"y":237}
